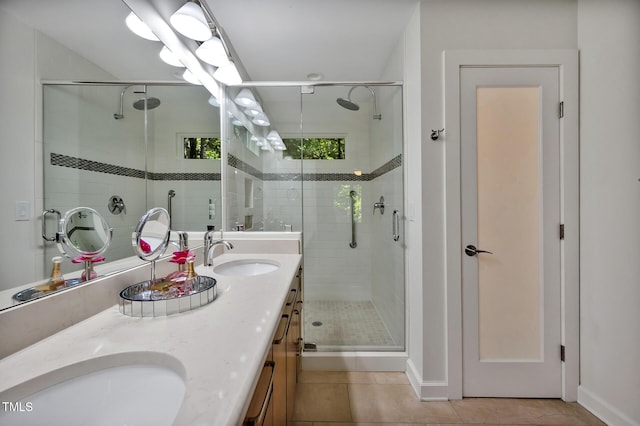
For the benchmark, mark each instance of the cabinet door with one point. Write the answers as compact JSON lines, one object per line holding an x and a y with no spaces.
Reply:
{"x":260,"y":411}
{"x":280,"y":373}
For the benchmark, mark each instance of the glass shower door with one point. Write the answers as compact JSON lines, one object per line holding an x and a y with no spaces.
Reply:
{"x":352,"y":218}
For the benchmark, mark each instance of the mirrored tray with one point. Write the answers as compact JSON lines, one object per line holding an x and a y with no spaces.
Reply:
{"x":140,"y":300}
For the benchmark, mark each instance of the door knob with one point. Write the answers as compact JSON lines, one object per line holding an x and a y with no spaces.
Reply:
{"x":471,"y":250}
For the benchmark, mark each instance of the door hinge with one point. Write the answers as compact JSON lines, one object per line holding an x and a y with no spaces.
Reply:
{"x":562,"y":231}
{"x":562,"y":353}
{"x":561,"y":110}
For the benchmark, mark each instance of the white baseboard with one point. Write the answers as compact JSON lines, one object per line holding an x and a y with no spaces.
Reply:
{"x":354,"y":361}
{"x":426,"y":391}
{"x":603,"y":410}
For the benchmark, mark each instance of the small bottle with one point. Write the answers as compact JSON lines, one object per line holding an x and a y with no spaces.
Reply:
{"x":56,"y":279}
{"x":190,"y":282}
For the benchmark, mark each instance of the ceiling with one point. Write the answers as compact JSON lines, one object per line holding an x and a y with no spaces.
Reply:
{"x":276,"y":40}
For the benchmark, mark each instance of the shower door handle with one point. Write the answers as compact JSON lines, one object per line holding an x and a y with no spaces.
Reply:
{"x":352,"y":196}
{"x":396,"y":225}
{"x":44,"y":217}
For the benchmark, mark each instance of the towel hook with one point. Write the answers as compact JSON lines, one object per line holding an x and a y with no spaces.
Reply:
{"x":435,"y":134}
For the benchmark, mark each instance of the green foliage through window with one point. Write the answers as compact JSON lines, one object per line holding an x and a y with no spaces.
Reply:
{"x":315,"y":148}
{"x":201,"y":148}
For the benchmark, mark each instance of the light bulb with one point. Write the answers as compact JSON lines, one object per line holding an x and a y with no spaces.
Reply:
{"x":190,"y":21}
{"x":139,"y":28}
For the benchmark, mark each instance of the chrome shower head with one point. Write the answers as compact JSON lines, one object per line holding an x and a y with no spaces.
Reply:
{"x":348,"y":104}
{"x":352,"y":106}
{"x":151,"y":103}
{"x":139,"y":104}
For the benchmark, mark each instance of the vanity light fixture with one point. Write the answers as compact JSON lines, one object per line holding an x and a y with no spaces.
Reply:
{"x":245,"y":99}
{"x":254,"y":111}
{"x":228,"y":74}
{"x":213,"y":101}
{"x":273,"y":135}
{"x":191,"y":77}
{"x":261,"y":120}
{"x":190,"y":21}
{"x":139,"y":28}
{"x":213,"y":52}
{"x":169,"y":58}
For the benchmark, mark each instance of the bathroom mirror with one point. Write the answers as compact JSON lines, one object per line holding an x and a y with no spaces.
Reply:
{"x":151,"y":237}
{"x":83,"y":233}
{"x":89,"y":156}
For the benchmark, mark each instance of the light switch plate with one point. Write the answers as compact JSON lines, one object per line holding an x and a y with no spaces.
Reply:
{"x":23,"y":210}
{"x":412,"y":212}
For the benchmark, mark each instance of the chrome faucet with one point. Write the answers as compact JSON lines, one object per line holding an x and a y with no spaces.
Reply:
{"x":209,"y":245}
{"x":183,"y":240}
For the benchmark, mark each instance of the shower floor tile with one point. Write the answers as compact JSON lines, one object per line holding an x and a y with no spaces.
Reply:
{"x":345,"y":325}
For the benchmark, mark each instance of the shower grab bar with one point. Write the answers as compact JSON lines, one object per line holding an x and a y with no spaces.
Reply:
{"x":170,"y":195}
{"x":396,"y":225}
{"x":352,"y":196}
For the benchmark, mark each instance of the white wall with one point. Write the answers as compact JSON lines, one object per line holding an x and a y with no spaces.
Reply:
{"x":412,"y":70}
{"x":463,"y":24}
{"x":27,"y":57}
{"x":608,"y":38}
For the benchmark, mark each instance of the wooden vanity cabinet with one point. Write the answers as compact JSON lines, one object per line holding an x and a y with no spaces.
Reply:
{"x":260,"y":412}
{"x":294,"y":345}
{"x":285,"y":354}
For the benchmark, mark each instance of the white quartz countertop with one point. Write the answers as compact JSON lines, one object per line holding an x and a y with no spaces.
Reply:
{"x":218,"y":349}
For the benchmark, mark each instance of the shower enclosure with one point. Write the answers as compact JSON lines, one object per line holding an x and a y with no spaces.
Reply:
{"x":338,"y":178}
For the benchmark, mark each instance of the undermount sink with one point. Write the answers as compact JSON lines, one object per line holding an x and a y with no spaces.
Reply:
{"x":246,"y":267}
{"x":139,"y":394}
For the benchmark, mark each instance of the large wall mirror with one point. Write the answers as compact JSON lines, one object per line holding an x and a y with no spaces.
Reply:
{"x":122,"y":149}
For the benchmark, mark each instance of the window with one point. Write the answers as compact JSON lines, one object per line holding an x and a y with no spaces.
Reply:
{"x":315,"y":148}
{"x":201,"y":147}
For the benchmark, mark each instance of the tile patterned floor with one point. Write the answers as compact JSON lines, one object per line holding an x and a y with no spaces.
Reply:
{"x":331,"y":398}
{"x":344,"y":325}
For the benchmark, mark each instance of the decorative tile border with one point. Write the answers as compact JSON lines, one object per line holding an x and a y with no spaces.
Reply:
{"x":233,"y":161}
{"x":237,"y":163}
{"x":94,"y":166}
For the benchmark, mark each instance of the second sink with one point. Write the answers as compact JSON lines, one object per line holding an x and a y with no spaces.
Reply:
{"x":246,"y":267}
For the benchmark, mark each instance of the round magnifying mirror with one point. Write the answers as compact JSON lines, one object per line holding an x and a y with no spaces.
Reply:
{"x":151,"y":237}
{"x":83,"y":232}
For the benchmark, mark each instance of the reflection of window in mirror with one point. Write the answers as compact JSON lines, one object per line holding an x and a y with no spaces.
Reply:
{"x":315,"y":148}
{"x":200,"y":147}
{"x":248,"y":193}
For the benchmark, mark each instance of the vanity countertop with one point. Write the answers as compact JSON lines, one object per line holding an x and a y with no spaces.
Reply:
{"x":221,"y":347}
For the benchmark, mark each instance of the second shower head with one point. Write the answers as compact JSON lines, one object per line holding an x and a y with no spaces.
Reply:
{"x":140,"y":104}
{"x":352,"y":106}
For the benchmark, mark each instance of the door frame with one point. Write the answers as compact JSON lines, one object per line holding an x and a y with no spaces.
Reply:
{"x":567,"y":63}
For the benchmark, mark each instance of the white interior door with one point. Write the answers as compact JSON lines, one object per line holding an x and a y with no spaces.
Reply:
{"x":510,"y":199}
